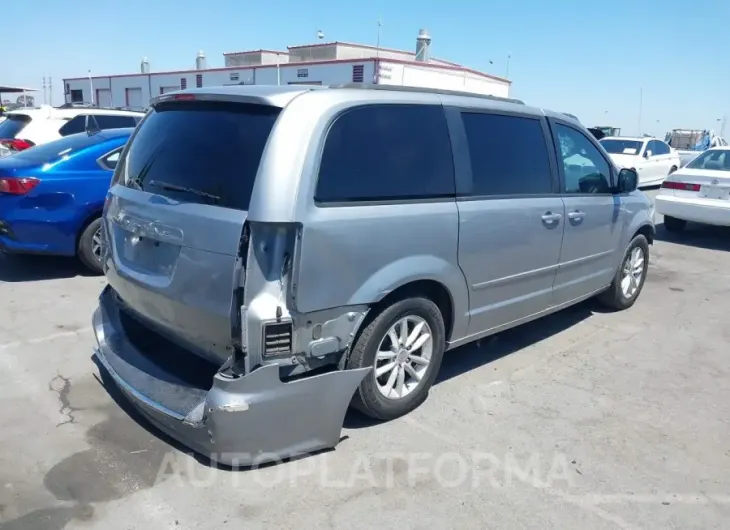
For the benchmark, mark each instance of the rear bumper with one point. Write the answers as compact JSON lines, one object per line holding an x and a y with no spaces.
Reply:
{"x":705,"y":211}
{"x":235,"y":421}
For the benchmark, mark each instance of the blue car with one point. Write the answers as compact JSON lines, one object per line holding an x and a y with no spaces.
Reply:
{"x":52,"y":195}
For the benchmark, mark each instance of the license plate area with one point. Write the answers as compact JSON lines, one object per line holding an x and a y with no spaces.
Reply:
{"x":709,"y":191}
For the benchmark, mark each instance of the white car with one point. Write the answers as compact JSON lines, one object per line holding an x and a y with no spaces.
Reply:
{"x":24,"y":128}
{"x":652,"y":159}
{"x":699,"y":192}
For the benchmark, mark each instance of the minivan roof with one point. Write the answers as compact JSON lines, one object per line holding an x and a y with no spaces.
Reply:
{"x":281,"y":95}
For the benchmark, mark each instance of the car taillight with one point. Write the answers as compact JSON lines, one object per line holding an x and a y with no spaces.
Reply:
{"x":17,"y":145}
{"x":684,"y":186}
{"x":17,"y":185}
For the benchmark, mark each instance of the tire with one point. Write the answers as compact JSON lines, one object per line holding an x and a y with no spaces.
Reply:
{"x":370,"y":397}
{"x":674,"y":225}
{"x":615,"y":297}
{"x":87,"y":245}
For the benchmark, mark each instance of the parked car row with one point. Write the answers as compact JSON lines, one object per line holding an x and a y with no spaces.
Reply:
{"x":24,"y":128}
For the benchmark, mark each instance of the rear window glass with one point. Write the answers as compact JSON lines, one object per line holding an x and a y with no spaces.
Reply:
{"x":11,"y":126}
{"x":205,"y":152}
{"x":57,"y":149}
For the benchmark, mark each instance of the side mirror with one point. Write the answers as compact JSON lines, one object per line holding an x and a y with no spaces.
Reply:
{"x":628,"y":181}
{"x":647,"y":153}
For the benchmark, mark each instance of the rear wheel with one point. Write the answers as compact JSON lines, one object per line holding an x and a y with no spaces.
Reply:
{"x":404,"y":344}
{"x":629,"y":280}
{"x":672,"y":224}
{"x":89,"y":250}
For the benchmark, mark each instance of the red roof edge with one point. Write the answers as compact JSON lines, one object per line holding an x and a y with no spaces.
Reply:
{"x":257,"y":51}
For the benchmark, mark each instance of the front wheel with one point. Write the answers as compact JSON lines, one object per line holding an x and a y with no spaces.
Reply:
{"x":90,"y":246}
{"x":404,"y":344}
{"x":629,"y":279}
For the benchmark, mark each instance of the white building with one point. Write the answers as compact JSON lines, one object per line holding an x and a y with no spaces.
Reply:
{"x":319,"y":64}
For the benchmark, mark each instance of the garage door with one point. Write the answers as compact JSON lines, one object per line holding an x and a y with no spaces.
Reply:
{"x":104,"y":97}
{"x":134,"y":98}
{"x":166,"y":89}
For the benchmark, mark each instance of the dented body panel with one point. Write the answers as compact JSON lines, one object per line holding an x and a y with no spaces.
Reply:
{"x":238,"y":420}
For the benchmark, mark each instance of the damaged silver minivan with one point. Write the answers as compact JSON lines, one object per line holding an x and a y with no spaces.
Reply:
{"x":275,"y":254}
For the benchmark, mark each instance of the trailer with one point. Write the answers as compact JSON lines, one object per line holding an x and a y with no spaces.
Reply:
{"x":691,"y":142}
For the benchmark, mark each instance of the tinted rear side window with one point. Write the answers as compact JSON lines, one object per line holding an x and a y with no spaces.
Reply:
{"x":508,"y":155}
{"x":73,"y":126}
{"x":12,"y":125}
{"x":211,"y":148}
{"x":387,"y":152}
{"x":107,"y":121}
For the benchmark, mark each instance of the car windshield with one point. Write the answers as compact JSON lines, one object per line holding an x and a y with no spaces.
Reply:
{"x":206,"y":152}
{"x":622,"y":147}
{"x":52,"y":151}
{"x":712,"y":159}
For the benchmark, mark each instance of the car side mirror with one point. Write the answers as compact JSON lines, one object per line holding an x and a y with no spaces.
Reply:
{"x":647,"y":154}
{"x":628,"y":181}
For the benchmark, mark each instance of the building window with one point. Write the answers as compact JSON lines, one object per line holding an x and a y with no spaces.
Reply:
{"x":68,"y":88}
{"x":77,"y":96}
{"x":358,"y":73}
{"x":234,"y":76}
{"x":183,"y":83}
{"x":199,"y":80}
{"x":303,"y":72}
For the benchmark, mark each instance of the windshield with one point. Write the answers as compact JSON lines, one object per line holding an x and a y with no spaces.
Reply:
{"x":11,"y":126}
{"x":712,"y":159}
{"x":52,"y":151}
{"x":622,"y":147}
{"x":206,"y":152}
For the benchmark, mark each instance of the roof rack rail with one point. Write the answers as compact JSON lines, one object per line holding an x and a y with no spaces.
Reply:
{"x":399,"y":88}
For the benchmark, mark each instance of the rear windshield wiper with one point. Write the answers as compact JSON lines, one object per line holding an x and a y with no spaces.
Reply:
{"x":192,"y":191}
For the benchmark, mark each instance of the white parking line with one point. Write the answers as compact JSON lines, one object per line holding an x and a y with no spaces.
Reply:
{"x":39,"y":340}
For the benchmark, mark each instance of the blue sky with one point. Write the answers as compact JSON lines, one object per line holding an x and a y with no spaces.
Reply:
{"x":589,"y":58}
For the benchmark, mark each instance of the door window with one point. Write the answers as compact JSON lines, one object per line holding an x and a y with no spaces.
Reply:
{"x":110,"y":160}
{"x":661,"y":148}
{"x":653,"y":147}
{"x":584,"y":168}
{"x":385,"y":153}
{"x":508,"y":155}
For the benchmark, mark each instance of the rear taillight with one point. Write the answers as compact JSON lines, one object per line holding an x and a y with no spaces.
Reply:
{"x":17,"y":185}
{"x":17,"y":145}
{"x":684,"y":186}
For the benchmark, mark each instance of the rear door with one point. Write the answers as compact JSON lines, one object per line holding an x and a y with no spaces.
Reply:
{"x":176,"y":215}
{"x":594,"y":222}
{"x":511,"y":216}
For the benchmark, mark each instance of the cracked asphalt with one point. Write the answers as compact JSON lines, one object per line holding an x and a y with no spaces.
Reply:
{"x":584,"y":419}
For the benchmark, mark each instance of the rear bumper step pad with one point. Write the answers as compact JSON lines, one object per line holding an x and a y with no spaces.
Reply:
{"x":248,"y":420}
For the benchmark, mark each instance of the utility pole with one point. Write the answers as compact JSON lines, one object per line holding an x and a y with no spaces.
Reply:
{"x":45,"y":100}
{"x":641,"y":102}
{"x":50,"y":91}
{"x":509,"y":56}
{"x":91,"y":86}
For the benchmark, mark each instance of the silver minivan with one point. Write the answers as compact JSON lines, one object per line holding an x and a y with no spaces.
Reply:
{"x":276,"y":254}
